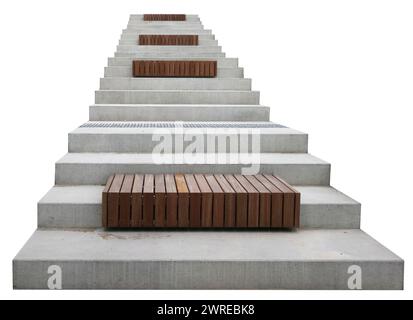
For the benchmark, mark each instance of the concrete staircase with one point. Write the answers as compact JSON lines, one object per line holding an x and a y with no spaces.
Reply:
{"x":128,"y":113}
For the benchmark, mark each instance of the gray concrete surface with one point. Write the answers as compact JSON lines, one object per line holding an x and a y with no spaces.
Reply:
{"x":305,"y":259}
{"x":169,"y":49}
{"x":177,"y":97}
{"x":172,"y":55}
{"x":95,"y":168}
{"x":129,"y":83}
{"x":127,"y":61}
{"x":141,"y":140}
{"x":190,"y":112}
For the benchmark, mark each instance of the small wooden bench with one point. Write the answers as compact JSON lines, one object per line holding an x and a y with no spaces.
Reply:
{"x":184,"y":68}
{"x":164,"y":17}
{"x":168,"y":40}
{"x":199,"y":201}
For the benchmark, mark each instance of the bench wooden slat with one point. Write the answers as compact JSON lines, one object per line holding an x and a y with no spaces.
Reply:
{"x":125,"y":201}
{"x":183,"y":200}
{"x":171,"y":201}
{"x":229,"y":201}
{"x":206,"y":200}
{"x":105,"y":201}
{"x":148,"y":200}
{"x":194,"y":201}
{"x":297,"y":203}
{"x":137,"y":189}
{"x":265,"y":201}
{"x":218,"y":201}
{"x":113,"y":201}
{"x":253,"y":201}
{"x":288,"y":201}
{"x":160,"y":198}
{"x":276,"y":202}
{"x":241,"y":220}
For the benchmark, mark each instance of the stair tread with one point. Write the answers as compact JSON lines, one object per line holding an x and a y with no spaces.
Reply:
{"x":302,"y":245}
{"x":209,"y":127}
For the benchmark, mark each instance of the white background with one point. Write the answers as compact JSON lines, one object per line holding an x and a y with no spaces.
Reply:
{"x":341,"y":71}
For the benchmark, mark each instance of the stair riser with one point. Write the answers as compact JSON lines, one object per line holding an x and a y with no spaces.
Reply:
{"x":184,"y":27}
{"x":177,"y":113}
{"x":174,"y":84}
{"x":126,"y":34}
{"x":98,"y":173}
{"x":143,"y":143}
{"x":167,"y":55}
{"x":325,"y":275}
{"x":168,"y":49}
{"x":322,"y":216}
{"x":177,"y":97}
{"x":133,"y":36}
{"x":163,"y":30}
{"x":127,"y":72}
{"x":222,"y":62}
{"x":139,"y":22}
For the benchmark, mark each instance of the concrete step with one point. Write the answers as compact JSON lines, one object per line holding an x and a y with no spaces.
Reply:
{"x":168,"y":49}
{"x":127,"y":34}
{"x":141,"y":21}
{"x":126,"y":71}
{"x":127,"y":61}
{"x":171,"y":55}
{"x":140,"y":137}
{"x":176,"y":97}
{"x":95,"y":168}
{"x":80,"y":207}
{"x":153,"y":112}
{"x":201,"y":42}
{"x":162,"y":24}
{"x":305,"y":259}
{"x":165,"y":24}
{"x":220,"y":83}
{"x":147,"y":29}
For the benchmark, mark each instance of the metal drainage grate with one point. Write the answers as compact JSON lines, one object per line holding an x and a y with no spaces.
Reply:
{"x":147,"y":124}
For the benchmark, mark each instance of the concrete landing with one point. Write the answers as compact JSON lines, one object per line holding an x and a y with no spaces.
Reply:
{"x":306,"y":259}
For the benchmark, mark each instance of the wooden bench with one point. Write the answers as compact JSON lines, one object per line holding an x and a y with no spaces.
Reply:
{"x":164,"y":17}
{"x":184,"y":68}
{"x":168,"y":40}
{"x":199,"y":201}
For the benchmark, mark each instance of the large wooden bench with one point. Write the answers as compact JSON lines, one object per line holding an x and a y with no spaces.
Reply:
{"x":199,"y":201}
{"x":175,"y":68}
{"x":168,"y":40}
{"x":164,"y":17}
